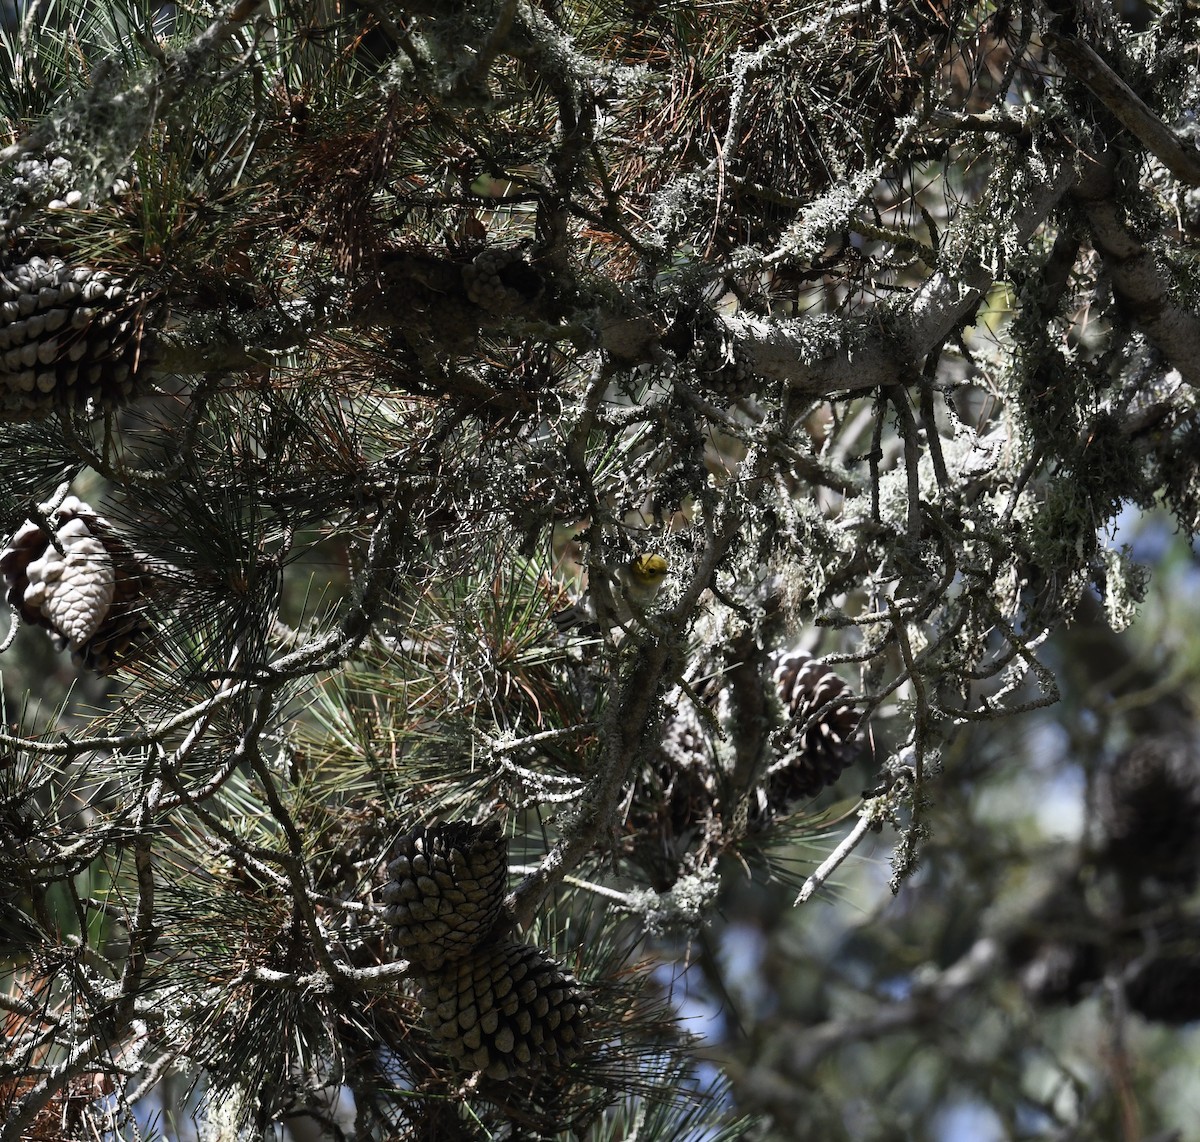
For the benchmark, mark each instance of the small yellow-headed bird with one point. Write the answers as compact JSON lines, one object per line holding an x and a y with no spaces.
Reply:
{"x":641,"y":577}
{"x":637,"y":584}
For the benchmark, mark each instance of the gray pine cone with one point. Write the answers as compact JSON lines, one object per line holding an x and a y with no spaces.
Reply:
{"x":500,"y":282}
{"x":673,"y":805}
{"x":90,"y":596}
{"x":506,"y":1010}
{"x":445,"y":890}
{"x":722,"y":367}
{"x":68,"y":335}
{"x":35,"y":184}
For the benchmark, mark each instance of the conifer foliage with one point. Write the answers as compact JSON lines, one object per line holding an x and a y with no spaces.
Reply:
{"x":342,"y":345}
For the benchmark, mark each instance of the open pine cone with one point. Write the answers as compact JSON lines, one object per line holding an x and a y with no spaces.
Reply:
{"x":816,"y":743}
{"x":90,"y":595}
{"x":500,"y":281}
{"x":673,"y":804}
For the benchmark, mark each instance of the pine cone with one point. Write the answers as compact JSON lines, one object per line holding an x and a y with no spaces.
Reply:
{"x":1055,"y":944}
{"x":445,"y":890}
{"x":505,"y":1010}
{"x":687,"y":768}
{"x":1148,"y":807}
{"x":723,"y":367}
{"x":675,"y":798}
{"x":814,"y":747}
{"x":68,"y":335}
{"x":35,"y":183}
{"x":500,"y":282}
{"x":1166,"y":987}
{"x":90,"y":596}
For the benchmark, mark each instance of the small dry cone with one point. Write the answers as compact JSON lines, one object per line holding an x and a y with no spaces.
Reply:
{"x":1062,"y":971}
{"x":813,"y":748}
{"x":445,"y":890}
{"x":1148,"y":809}
{"x":90,"y":595}
{"x":500,"y":282}
{"x":69,"y":335}
{"x":507,"y":1010}
{"x":675,"y":799}
{"x":722,"y":367}
{"x":1165,"y":986}
{"x":1053,"y":942}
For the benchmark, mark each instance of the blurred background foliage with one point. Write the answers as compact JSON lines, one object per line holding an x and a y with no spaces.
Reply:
{"x":404,"y":330}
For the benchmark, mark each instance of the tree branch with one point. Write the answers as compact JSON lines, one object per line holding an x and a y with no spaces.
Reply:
{"x":1142,"y":287}
{"x":1083,"y":64}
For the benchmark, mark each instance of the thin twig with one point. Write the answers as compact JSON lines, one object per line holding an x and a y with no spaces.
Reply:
{"x":866,"y":821}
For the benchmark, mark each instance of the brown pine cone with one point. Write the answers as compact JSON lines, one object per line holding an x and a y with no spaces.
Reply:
{"x":506,"y":1010}
{"x":816,"y":744}
{"x":445,"y":890}
{"x":90,"y":596}
{"x":1167,"y":990}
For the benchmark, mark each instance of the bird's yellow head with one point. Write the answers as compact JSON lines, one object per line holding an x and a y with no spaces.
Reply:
{"x":649,"y":570}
